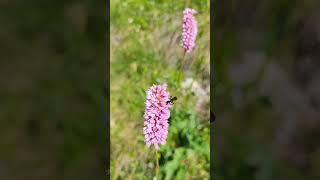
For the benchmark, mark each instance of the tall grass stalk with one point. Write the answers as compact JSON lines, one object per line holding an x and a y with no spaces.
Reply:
{"x":157,"y":164}
{"x":182,"y":62}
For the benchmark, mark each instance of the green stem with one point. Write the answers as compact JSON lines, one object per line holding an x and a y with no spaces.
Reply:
{"x":157,"y":165}
{"x":181,"y":67}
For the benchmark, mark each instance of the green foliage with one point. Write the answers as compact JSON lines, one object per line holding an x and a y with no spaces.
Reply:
{"x":145,"y":50}
{"x":188,"y":143}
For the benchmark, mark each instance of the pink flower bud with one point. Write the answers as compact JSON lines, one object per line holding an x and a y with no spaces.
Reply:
{"x":189,"y":30}
{"x":156,"y":115}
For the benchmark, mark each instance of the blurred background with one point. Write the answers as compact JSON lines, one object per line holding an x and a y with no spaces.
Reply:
{"x":145,"y":50}
{"x":52,"y":74}
{"x":266,"y":89}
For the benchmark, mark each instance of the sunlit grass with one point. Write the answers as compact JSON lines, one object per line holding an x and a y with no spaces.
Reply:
{"x":145,"y":50}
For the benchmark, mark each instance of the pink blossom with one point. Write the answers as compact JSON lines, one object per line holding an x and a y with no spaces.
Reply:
{"x":189,"y":29}
{"x":156,"y":115}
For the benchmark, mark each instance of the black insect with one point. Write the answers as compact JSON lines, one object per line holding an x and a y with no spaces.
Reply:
{"x":172,"y":99}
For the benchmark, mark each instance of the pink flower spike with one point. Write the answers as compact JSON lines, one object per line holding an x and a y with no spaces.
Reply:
{"x":189,"y":29}
{"x":156,"y":115}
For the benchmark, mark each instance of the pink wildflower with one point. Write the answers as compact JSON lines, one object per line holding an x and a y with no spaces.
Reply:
{"x":189,"y":29}
{"x":156,"y":115}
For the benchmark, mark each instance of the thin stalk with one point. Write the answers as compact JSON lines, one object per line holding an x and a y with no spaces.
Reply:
{"x":181,"y":66}
{"x":157,"y":164}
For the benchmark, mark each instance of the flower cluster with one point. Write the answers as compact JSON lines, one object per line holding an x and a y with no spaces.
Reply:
{"x":189,"y":29}
{"x":157,"y":108}
{"x":156,"y":115}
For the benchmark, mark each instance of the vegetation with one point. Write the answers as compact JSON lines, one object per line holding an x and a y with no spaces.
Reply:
{"x":145,"y":50}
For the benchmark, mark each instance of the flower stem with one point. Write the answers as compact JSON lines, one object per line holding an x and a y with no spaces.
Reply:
{"x":181,"y":67}
{"x":157,"y":164}
{"x":183,"y":62}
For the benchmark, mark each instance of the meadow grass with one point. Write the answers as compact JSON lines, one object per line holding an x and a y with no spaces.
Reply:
{"x":145,"y":50}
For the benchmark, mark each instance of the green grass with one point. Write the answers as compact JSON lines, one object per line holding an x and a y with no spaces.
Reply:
{"x":145,"y":50}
